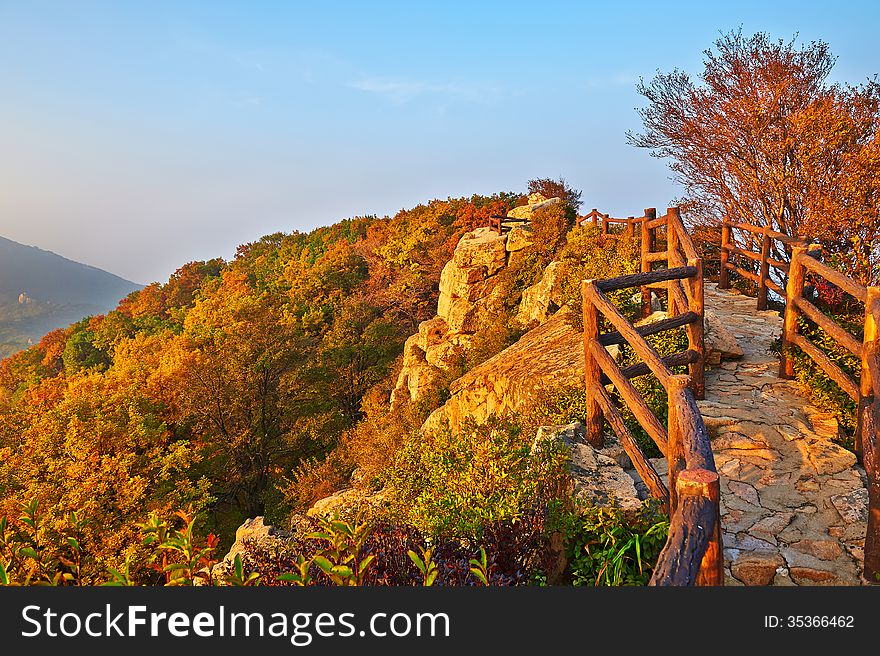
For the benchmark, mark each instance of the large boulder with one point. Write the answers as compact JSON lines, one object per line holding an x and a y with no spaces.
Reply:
{"x":720,"y":343}
{"x":546,"y":357}
{"x":597,"y":479}
{"x":542,"y":299}
{"x":518,"y":238}
{"x":526,"y":211}
{"x":482,"y":247}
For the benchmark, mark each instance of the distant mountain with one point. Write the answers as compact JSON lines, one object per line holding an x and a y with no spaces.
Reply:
{"x":41,"y":291}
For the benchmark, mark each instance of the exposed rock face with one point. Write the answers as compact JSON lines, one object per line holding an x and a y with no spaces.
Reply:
{"x":597,"y":479}
{"x":720,"y":343}
{"x":348,"y":498}
{"x":514,"y":377}
{"x":518,"y":238}
{"x":256,"y":532}
{"x":542,"y":299}
{"x":536,"y":202}
{"x":466,"y":297}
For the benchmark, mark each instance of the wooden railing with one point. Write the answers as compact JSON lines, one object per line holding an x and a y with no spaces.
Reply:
{"x":501,"y":224}
{"x":693,"y":552}
{"x":865,"y":392}
{"x":605,"y":222}
{"x":756,"y":245}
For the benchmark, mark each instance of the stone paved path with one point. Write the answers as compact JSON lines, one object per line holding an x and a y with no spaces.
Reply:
{"x":793,"y":502}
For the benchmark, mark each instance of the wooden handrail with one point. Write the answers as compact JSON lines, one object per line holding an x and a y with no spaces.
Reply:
{"x":647,"y":419}
{"x":838,"y":279}
{"x":692,"y":554}
{"x":663,"y":325}
{"x":690,"y":531}
{"x":827,"y":324}
{"x":644,"y":468}
{"x":675,"y":360}
{"x":639,"y":279}
{"x":638,"y":344}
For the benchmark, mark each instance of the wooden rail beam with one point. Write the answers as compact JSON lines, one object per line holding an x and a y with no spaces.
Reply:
{"x":690,"y":531}
{"x":639,"y":279}
{"x":827,"y":324}
{"x":607,"y":339}
{"x":793,"y":291}
{"x":642,"y":349}
{"x":630,"y":395}
{"x":644,"y":468}
{"x":764,"y":271}
{"x":827,"y":365}
{"x":836,"y":278}
{"x":682,"y":358}
{"x":705,"y":484}
{"x":867,"y":398}
{"x":693,"y":288}
{"x":649,"y":243}
{"x":591,"y":366}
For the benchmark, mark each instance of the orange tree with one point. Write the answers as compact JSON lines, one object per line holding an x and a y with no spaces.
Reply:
{"x":762,"y":136}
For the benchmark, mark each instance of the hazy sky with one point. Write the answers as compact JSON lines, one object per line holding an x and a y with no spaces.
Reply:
{"x":138,"y":136}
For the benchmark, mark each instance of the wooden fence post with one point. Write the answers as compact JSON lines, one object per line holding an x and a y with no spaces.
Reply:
{"x":595,"y":214}
{"x":866,"y":383}
{"x":794,"y":290}
{"x":705,"y":483}
{"x":724,"y":275}
{"x":764,"y":271}
{"x":671,"y":261}
{"x":648,"y":243}
{"x":675,"y":446}
{"x":630,"y":227}
{"x":592,"y":372}
{"x":695,"y":330}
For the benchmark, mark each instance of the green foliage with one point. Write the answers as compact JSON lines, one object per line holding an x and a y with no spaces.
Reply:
{"x":589,"y":255}
{"x":80,"y":351}
{"x":824,"y":392}
{"x":30,"y":556}
{"x":479,"y":568}
{"x":425,"y":564}
{"x":649,"y":388}
{"x":340,"y":560}
{"x":453,"y":483}
{"x":612,"y":547}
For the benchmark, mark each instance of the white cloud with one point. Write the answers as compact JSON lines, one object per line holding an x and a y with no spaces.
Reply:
{"x":404,"y":91}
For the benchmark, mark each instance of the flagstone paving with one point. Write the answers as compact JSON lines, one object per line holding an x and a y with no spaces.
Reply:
{"x":794,"y":503}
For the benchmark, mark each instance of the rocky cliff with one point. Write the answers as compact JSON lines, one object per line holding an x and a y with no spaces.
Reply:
{"x":550,"y":355}
{"x":469,"y":296}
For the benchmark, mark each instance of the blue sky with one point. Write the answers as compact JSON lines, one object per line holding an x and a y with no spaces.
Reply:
{"x":138,"y":136}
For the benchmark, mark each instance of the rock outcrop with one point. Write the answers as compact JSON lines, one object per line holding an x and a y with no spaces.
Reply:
{"x":536,"y":202}
{"x":542,"y":299}
{"x":597,"y":478}
{"x":467,"y":283}
{"x":515,"y":377}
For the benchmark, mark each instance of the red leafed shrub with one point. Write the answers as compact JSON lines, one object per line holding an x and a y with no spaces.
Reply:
{"x":517,"y":553}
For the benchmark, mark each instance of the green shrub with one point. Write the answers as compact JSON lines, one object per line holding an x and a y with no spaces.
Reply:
{"x":650,"y":389}
{"x":613,"y":547}
{"x":824,"y":392}
{"x":454,"y":483}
